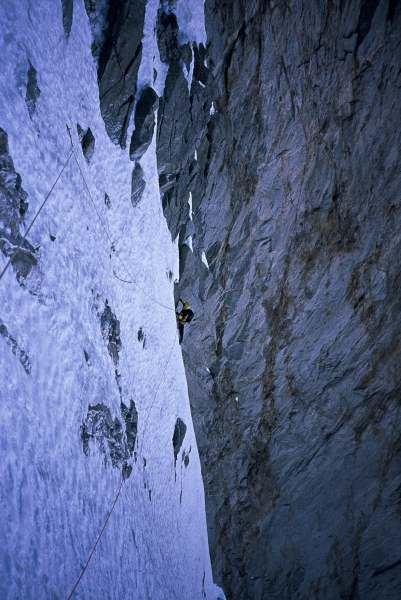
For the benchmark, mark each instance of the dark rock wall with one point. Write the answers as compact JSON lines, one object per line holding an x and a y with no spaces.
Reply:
{"x":293,"y":358}
{"x":181,"y":119}
{"x":117,"y":29}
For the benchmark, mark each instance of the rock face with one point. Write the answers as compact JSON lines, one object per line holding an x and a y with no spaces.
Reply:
{"x":15,"y":348}
{"x":68,"y":12}
{"x":278,"y":157}
{"x":110,"y":327}
{"x":13,"y":206}
{"x":87,"y":140}
{"x":117,"y":29}
{"x":181,"y":120}
{"x":180,"y":430}
{"x":144,"y":123}
{"x":293,"y":358}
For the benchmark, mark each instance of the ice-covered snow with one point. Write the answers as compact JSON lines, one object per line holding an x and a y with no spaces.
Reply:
{"x":204,"y":259}
{"x":54,"y":499}
{"x":191,"y":21}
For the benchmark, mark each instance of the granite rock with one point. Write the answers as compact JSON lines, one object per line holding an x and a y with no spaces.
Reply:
{"x":292,"y":359}
{"x":117,"y":29}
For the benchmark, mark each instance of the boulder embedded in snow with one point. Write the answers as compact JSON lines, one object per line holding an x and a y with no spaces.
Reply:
{"x":87,"y":140}
{"x":22,"y":261}
{"x":141,"y":337}
{"x":144,"y":123}
{"x":115,"y":442}
{"x":180,"y":430}
{"x":110,"y":327}
{"x":68,"y":8}
{"x":185,"y":458}
{"x":32,"y":90}
{"x":107,"y":200}
{"x":130,"y":416}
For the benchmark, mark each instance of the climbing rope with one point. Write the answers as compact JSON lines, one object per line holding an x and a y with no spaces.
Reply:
{"x":122,"y":264}
{"x":92,"y":551}
{"x":49,"y":193}
{"x":77,"y":582}
{"x":102,"y":223}
{"x":157,"y":390}
{"x":162,"y":378}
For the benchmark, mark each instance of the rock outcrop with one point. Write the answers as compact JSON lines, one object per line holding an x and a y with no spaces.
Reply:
{"x":292,"y":360}
{"x":110,"y":327}
{"x":16,"y":349}
{"x":115,"y":444}
{"x":144,"y":123}
{"x":180,"y":430}
{"x":180,"y":121}
{"x":117,"y":29}
{"x":87,"y":140}
{"x":32,"y":90}
{"x":13,"y":207}
{"x":68,"y":13}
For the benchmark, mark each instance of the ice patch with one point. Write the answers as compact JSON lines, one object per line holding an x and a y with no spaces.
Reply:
{"x":189,"y":72}
{"x":204,"y":260}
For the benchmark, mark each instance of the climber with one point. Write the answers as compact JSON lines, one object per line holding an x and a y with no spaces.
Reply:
{"x":185,"y":315}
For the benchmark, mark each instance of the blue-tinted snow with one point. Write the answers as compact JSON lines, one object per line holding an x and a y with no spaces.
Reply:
{"x":54,"y":499}
{"x":191,"y":21}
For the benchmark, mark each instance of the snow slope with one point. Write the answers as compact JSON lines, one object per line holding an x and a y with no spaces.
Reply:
{"x":54,"y":498}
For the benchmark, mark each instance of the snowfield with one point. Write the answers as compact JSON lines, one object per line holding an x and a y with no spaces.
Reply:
{"x":54,"y":496}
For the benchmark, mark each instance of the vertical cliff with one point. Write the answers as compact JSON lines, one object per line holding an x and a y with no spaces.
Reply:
{"x":288,"y":217}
